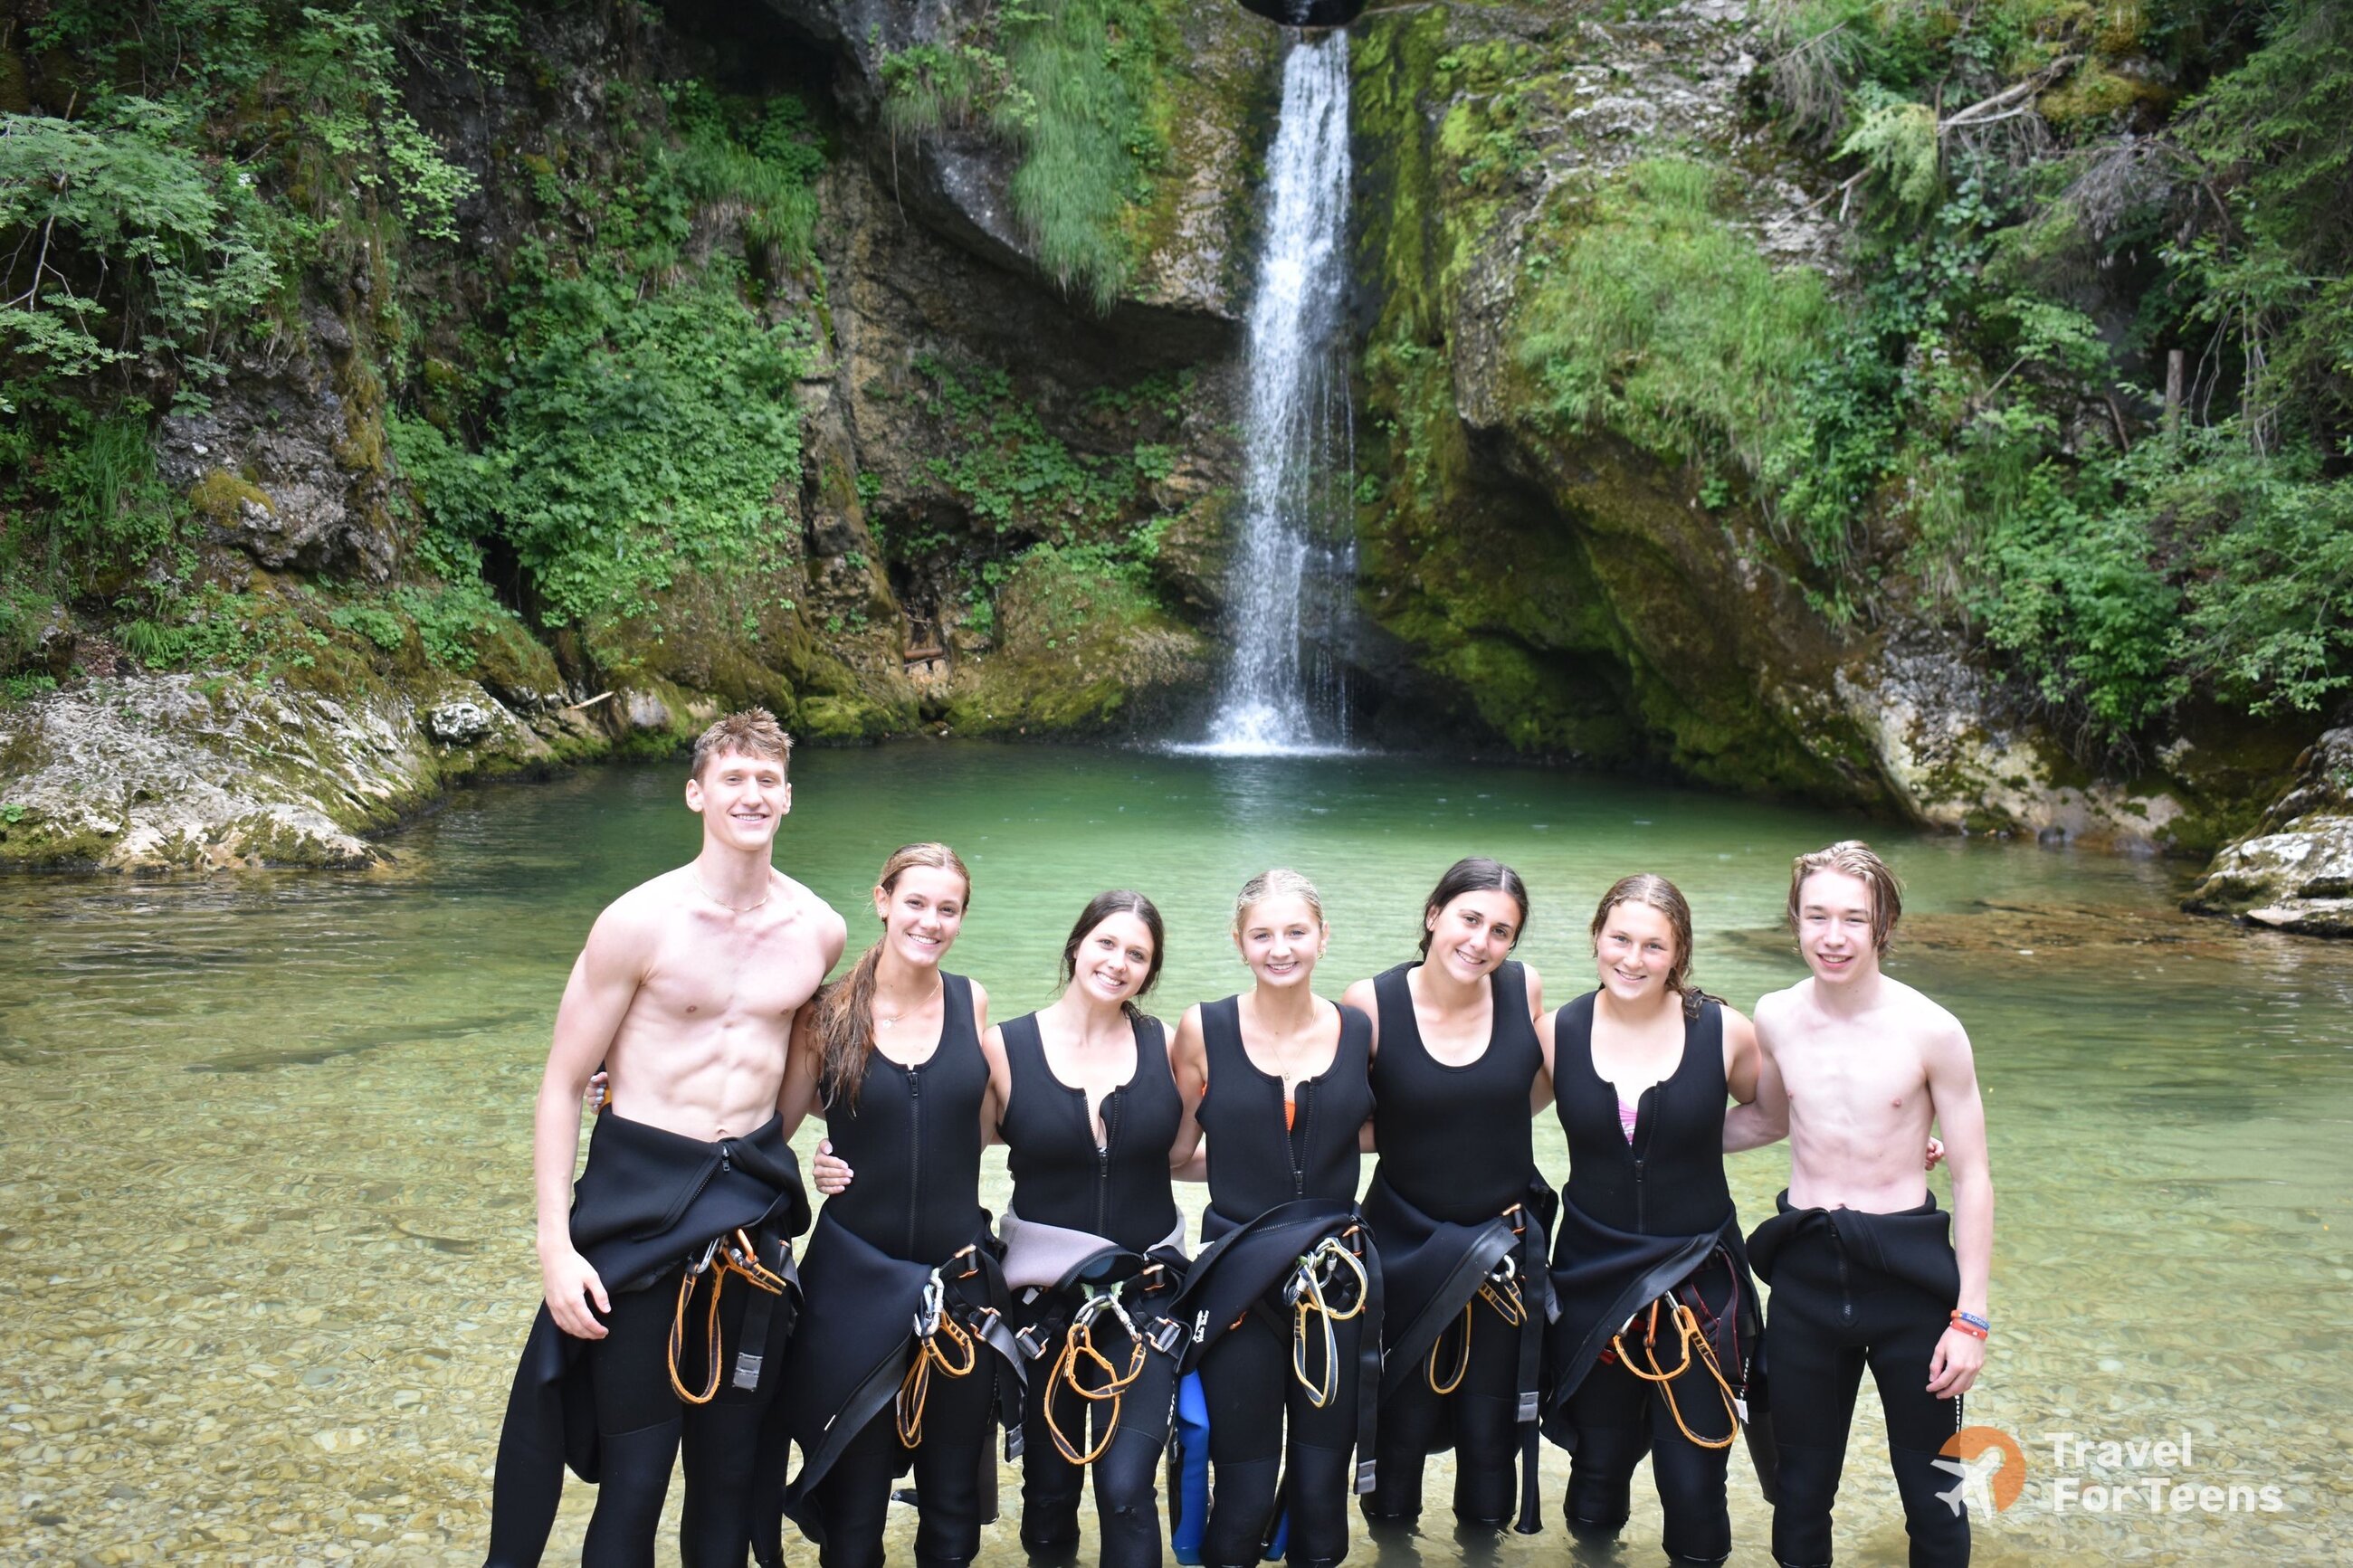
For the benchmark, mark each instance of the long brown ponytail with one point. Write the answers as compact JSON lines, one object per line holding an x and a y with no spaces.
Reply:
{"x":845,"y":1009}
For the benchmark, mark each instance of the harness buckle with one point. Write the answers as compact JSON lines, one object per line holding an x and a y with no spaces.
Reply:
{"x":1166,"y":1335}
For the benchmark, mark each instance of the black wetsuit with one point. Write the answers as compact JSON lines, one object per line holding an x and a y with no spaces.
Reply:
{"x":1852,"y":1287}
{"x":1119,"y":1193}
{"x":913,"y":1137}
{"x":1457,"y":1154}
{"x":1649,"y":1221}
{"x":647,"y":1203}
{"x":1257,"y":1165}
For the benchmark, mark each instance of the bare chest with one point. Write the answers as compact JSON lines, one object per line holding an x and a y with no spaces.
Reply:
{"x":1867,"y":1085}
{"x":707,"y":974}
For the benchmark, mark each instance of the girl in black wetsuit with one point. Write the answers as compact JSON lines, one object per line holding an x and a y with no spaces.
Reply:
{"x":900,"y":1077}
{"x":1641,"y":1067}
{"x":1279,"y":1077}
{"x":1093,"y":1242}
{"x":1092,"y":1124}
{"x":1456,"y":1206}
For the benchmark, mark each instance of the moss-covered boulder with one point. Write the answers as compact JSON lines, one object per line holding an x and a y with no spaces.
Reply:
{"x":1076,"y":647}
{"x":2295,"y":872}
{"x":161,"y":772}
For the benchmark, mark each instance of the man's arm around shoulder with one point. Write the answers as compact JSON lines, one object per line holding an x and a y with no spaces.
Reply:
{"x":604,"y":980}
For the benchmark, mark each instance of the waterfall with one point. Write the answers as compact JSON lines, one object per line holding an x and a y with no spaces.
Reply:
{"x":1290,"y":580}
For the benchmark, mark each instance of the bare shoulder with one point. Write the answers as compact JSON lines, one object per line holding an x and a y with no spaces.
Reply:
{"x":1926,"y":1021}
{"x":828,"y":928}
{"x":638,"y":917}
{"x":1776,"y":1012}
{"x":1737,"y":1029}
{"x":1359,"y":995}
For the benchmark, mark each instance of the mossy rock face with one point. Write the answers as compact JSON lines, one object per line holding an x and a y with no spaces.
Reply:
{"x":2295,"y":871}
{"x":165,"y":773}
{"x":1568,"y":588}
{"x":1077,"y":650}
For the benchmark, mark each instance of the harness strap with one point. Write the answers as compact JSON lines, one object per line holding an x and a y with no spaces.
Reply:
{"x":740,"y":1256}
{"x":934,"y":1322}
{"x":1688,"y":1335}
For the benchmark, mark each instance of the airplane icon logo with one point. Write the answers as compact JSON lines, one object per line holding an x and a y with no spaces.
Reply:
{"x":1987,"y":1467}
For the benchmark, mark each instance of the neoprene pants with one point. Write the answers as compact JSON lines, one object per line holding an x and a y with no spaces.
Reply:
{"x":642,"y":1424}
{"x":855,"y":1494}
{"x":1829,"y":1315}
{"x":1127,"y":1476}
{"x":1250,"y":1386}
{"x":1479,"y":1418}
{"x":1618,"y":1418}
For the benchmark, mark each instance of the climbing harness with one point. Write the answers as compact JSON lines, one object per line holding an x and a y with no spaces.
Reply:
{"x":1688,"y":1333}
{"x":1318,"y":1271}
{"x":1078,"y":1346}
{"x":1500,"y":1291}
{"x":935,"y":1324}
{"x":723,"y":1257}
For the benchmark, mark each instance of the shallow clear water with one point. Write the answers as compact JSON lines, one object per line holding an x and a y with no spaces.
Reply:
{"x":265,"y":1218}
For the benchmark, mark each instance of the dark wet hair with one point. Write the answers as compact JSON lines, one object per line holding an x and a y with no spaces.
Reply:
{"x":1475,"y":874}
{"x":1101,"y":908}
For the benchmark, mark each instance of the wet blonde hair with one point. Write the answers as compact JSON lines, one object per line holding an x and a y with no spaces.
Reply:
{"x":754,"y":733}
{"x":845,"y":1009}
{"x":1282,"y":882}
{"x":1858,"y":859}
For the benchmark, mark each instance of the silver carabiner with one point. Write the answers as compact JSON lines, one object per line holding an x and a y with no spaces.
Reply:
{"x":934,"y":1306}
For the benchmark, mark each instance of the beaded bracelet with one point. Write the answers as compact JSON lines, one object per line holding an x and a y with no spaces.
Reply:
{"x":1971,"y":1324}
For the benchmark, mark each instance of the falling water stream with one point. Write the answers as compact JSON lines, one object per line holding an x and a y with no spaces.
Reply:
{"x":1287,"y":587}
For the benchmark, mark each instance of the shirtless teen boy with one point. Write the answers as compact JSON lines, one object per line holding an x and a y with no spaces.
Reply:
{"x":1856,"y":1066}
{"x":686,"y":992}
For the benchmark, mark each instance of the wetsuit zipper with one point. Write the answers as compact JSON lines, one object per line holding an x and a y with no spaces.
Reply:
{"x":1102,"y":1162}
{"x":1846,"y":1291}
{"x":1292,"y":1146}
{"x":914,"y":1153}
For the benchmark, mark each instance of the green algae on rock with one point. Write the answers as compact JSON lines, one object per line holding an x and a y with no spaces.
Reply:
{"x":2295,"y":871}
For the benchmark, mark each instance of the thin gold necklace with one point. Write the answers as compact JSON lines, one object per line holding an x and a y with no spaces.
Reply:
{"x":882,"y":1022}
{"x":741,"y":909}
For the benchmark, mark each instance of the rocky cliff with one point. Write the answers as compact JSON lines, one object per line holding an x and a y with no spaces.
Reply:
{"x":878,"y":360}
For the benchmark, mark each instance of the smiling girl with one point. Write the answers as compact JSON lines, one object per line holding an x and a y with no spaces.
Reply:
{"x":1280,"y":1294}
{"x":1459,"y":1208}
{"x":902,"y":1080}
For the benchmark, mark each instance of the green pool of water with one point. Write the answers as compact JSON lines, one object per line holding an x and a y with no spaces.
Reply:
{"x":265,"y":1211}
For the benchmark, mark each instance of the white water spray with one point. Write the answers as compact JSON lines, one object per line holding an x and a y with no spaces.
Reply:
{"x":1294,"y":558}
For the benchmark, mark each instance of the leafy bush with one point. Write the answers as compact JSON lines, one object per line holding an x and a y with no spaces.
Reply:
{"x":127,"y":232}
{"x":1658,"y":320}
{"x":631,"y":440}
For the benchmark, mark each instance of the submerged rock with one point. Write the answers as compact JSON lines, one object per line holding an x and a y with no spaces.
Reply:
{"x":2295,"y":872}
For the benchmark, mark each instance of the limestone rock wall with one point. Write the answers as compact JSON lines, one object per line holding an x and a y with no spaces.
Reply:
{"x":1557,"y":587}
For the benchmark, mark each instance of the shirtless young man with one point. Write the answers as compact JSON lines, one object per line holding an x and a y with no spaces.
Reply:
{"x":686,"y":994}
{"x":1856,"y":1069}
